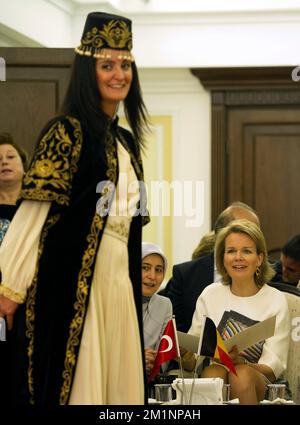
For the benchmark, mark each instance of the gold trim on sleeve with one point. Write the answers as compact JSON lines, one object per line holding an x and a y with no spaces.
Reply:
{"x":12,"y":295}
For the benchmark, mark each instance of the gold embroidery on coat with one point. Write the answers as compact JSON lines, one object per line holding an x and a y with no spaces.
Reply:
{"x":30,"y":303}
{"x":84,"y":280}
{"x":50,"y":176}
{"x":80,"y":307}
{"x":112,"y":158}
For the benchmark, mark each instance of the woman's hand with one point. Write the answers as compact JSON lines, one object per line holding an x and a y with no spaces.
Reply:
{"x":149,"y":359}
{"x":234,"y":353}
{"x":182,"y":351}
{"x":8,"y":309}
{"x":235,"y":357}
{"x":187,"y":358}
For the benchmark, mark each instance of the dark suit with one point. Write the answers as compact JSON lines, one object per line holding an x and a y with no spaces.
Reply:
{"x":188,"y":281}
{"x":278,"y":276}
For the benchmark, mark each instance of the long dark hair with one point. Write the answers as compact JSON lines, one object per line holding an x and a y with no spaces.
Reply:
{"x":135,"y":109}
{"x":83,"y":99}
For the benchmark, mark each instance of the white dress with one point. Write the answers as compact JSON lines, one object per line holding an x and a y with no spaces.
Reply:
{"x":110,"y":340}
{"x":109,"y":365}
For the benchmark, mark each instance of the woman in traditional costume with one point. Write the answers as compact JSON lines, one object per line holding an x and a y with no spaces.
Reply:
{"x":73,"y":253}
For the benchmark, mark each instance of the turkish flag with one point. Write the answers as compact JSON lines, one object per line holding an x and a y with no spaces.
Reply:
{"x":168,"y":348}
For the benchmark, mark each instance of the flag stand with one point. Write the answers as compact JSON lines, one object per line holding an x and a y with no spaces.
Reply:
{"x":194,"y":379}
{"x":183,"y":393}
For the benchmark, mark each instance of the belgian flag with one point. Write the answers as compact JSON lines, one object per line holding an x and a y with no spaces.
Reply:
{"x":212,"y":345}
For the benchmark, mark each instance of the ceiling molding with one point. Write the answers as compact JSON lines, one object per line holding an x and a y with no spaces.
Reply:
{"x":247,"y":78}
{"x":187,"y":18}
{"x":205,"y":16}
{"x":63,"y":5}
{"x":15,"y":38}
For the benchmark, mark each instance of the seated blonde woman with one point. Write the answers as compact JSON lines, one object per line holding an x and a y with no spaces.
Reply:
{"x":241,"y":300}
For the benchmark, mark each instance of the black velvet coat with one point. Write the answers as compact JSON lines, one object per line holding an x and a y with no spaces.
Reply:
{"x":65,"y":170}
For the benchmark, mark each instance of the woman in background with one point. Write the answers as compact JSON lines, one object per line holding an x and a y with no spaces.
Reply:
{"x":205,"y":246}
{"x":13,"y":161}
{"x":157,"y":310}
{"x":242,"y":299}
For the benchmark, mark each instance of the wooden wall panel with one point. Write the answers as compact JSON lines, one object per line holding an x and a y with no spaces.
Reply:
{"x":36,"y":82}
{"x":256,"y":145}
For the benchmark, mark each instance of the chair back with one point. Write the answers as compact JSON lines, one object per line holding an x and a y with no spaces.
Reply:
{"x":292,"y":373}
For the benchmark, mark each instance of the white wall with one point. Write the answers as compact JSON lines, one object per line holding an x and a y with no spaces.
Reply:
{"x":178,"y":93}
{"x":196,"y":34}
{"x":218,"y":40}
{"x":38,"y":20}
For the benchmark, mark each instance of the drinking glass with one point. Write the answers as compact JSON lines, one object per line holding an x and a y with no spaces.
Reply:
{"x":276,"y":391}
{"x":226,"y":393}
{"x":163,"y":392}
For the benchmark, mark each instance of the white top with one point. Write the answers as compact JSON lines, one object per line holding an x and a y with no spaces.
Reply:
{"x":19,"y":249}
{"x":267,"y":302}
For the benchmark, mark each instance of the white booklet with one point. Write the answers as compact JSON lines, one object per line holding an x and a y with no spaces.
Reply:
{"x":244,"y":339}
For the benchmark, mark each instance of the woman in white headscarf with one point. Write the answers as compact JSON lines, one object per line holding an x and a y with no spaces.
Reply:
{"x":157,"y":310}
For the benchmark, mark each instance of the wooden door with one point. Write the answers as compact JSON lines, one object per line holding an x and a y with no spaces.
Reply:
{"x":264,"y":166}
{"x":256,"y":146}
{"x":36,"y":82}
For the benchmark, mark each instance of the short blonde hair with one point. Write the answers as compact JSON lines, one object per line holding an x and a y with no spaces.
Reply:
{"x":253,"y":231}
{"x":205,"y":246}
